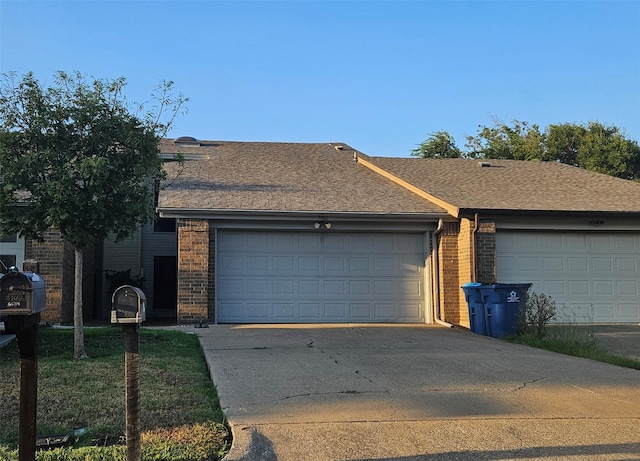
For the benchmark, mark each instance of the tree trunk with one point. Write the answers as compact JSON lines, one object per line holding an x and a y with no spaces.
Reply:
{"x":78,"y":327}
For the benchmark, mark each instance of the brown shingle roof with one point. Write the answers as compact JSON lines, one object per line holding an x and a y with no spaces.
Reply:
{"x":511,"y":185}
{"x":293,"y":177}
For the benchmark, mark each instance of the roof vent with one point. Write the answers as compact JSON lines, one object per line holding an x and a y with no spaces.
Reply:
{"x":338,"y":147}
{"x":484,"y":164}
{"x":188,"y":141}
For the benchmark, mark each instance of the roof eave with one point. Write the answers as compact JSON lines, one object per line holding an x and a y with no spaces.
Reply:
{"x":207,"y":213}
{"x":548,"y":213}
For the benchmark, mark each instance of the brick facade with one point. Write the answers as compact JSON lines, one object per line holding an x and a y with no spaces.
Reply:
{"x":50,"y":255}
{"x":456,"y":262}
{"x":486,"y":251}
{"x":196,"y":270}
{"x":449,"y":274}
{"x":57,"y":262}
{"x":193,"y":271}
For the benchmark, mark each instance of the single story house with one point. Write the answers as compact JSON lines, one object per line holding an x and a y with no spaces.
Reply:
{"x":267,"y":232}
{"x":291,"y":232}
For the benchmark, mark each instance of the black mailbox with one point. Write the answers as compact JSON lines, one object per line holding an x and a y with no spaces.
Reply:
{"x":21,"y":293}
{"x":128,"y":305}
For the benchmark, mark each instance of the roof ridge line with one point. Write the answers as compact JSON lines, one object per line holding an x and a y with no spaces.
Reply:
{"x":451,"y":209}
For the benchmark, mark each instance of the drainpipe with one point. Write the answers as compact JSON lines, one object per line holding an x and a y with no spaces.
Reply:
{"x":474,"y":255}
{"x":436,"y":276}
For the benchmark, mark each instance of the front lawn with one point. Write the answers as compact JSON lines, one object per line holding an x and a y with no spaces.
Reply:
{"x":85,"y":399}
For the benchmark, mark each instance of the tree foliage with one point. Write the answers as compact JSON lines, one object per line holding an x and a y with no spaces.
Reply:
{"x":593,"y":146}
{"x":77,"y":158}
{"x":438,"y":145}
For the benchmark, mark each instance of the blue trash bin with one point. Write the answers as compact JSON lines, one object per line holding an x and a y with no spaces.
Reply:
{"x":503,"y":303}
{"x":477,"y":317}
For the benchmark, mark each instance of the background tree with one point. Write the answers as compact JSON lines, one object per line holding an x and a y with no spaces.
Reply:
{"x":563,"y":142}
{"x":520,"y":141}
{"x":438,"y":145}
{"x":605,"y":149}
{"x":77,"y":158}
{"x":594,"y":146}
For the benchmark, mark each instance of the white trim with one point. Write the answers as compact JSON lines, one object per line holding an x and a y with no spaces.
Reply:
{"x":16,"y":248}
{"x":586,"y":224}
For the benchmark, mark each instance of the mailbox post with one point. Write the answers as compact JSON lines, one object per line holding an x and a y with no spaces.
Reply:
{"x":128,"y":308}
{"x":22,"y":298}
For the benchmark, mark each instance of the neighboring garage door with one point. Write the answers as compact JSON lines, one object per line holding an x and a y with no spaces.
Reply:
{"x":592,"y":277}
{"x":297,"y":277}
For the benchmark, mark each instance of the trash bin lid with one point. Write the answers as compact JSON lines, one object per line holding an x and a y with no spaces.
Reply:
{"x":472,"y":284}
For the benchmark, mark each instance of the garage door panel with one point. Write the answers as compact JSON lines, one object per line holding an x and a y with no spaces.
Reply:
{"x":360,"y":311}
{"x":283,"y":310}
{"x":574,"y":313}
{"x":309,"y":311}
{"x":551,"y":287}
{"x":333,"y":264}
{"x":336,"y":311}
{"x":309,"y":287}
{"x":602,"y":264}
{"x":551,"y":242}
{"x":628,"y":287}
{"x":602,"y":287}
{"x":324,"y":277}
{"x":592,"y":276}
{"x":575,"y":242}
{"x":626,"y":265}
{"x":384,"y":265}
{"x":578,"y":287}
{"x":626,"y":242}
{"x":286,"y":264}
{"x":359,"y":265}
{"x":384,"y":287}
{"x":257,"y":286}
{"x":259,"y":263}
{"x":577,"y":264}
{"x":629,"y":312}
{"x":284,"y":287}
{"x":553,"y":264}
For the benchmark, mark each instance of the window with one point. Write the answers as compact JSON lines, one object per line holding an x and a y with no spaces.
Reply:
{"x":10,"y":250}
{"x":164,"y":225}
{"x":13,"y":238}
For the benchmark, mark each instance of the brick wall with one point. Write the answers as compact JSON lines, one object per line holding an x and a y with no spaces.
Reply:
{"x":456,"y":265}
{"x":193,"y":270}
{"x":456,"y":269}
{"x":211,"y":298}
{"x":50,"y":255}
{"x":57,"y":262}
{"x":449,"y":274}
{"x":466,"y":274}
{"x":486,"y":251}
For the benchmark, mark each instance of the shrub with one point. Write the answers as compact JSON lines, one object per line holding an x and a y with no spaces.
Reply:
{"x":538,"y":311}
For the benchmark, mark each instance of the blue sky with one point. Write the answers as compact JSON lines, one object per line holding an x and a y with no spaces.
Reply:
{"x":380,"y":76}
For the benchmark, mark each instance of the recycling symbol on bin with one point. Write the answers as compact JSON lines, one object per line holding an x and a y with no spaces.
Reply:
{"x":513,"y":297}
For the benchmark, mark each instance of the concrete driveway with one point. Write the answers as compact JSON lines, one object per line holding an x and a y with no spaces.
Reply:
{"x":373,"y":392}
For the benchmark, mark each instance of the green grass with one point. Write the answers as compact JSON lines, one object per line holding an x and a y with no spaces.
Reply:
{"x":176,"y":389}
{"x":579,"y":342}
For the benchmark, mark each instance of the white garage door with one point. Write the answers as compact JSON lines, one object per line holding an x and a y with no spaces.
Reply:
{"x":592,"y":277}
{"x":297,"y":277}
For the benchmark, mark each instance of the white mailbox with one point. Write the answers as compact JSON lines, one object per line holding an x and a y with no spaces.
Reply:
{"x":128,"y":305}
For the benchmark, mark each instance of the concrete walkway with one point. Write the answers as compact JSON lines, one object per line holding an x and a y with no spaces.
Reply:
{"x":409,"y":393}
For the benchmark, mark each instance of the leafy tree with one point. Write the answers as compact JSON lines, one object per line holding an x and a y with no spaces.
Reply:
{"x":605,"y":149}
{"x":438,"y":145}
{"x":520,"y":141}
{"x":563,"y":142}
{"x":595,"y":146}
{"x":75,"y":157}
